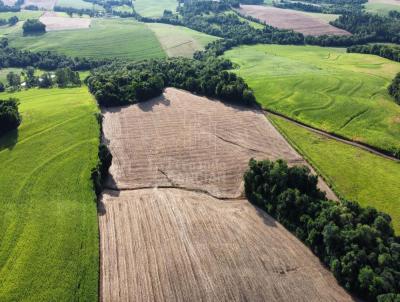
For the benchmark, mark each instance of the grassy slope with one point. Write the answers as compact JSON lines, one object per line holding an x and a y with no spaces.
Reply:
{"x":154,"y":8}
{"x":106,"y":38}
{"x":22,"y":15}
{"x":325,"y":88}
{"x":79,"y":4}
{"x":48,"y":223}
{"x":178,"y":40}
{"x":353,"y":173}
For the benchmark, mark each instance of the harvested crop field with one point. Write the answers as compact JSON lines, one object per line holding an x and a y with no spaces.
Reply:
{"x":54,"y":22}
{"x":291,"y":19}
{"x":183,"y":140}
{"x":41,"y":4}
{"x":175,"y":245}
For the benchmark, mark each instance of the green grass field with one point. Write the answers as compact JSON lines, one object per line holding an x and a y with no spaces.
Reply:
{"x":106,"y":38}
{"x":353,"y":173}
{"x":326,"y":88}
{"x":178,"y":40}
{"x":78,"y":4}
{"x":381,"y":8}
{"x":154,"y":8}
{"x":48,"y":221}
{"x":22,"y":15}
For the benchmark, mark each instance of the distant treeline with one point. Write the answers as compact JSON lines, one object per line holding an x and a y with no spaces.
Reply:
{"x":391,"y":52}
{"x":15,"y":8}
{"x":133,"y":83}
{"x":9,"y":115}
{"x":10,"y":21}
{"x":357,"y":243}
{"x":47,"y":60}
{"x":394,"y":88}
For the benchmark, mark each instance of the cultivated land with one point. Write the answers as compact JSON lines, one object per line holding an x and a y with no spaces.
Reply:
{"x":178,"y":40}
{"x":55,"y":22}
{"x":195,"y":246}
{"x":42,"y":4}
{"x":372,"y":180}
{"x":135,"y":41}
{"x":326,"y":88}
{"x":49,"y":235}
{"x":154,"y":8}
{"x":292,"y":19}
{"x":79,"y":4}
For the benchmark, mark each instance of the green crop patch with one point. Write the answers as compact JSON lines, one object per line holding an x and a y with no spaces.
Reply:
{"x":154,"y":8}
{"x":326,"y":88}
{"x":48,"y":222}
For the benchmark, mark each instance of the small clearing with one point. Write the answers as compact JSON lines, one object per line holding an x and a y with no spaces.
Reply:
{"x":292,"y":19}
{"x":54,"y":21}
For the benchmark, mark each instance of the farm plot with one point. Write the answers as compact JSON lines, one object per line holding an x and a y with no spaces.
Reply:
{"x":178,"y":40}
{"x":41,"y":4}
{"x":163,"y":234}
{"x":325,"y":88}
{"x":154,"y":8}
{"x":291,"y":19}
{"x":55,"y":22}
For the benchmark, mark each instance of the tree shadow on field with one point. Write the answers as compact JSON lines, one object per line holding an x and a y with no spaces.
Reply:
{"x":9,"y":140}
{"x":148,"y":105}
{"x":267,"y":219}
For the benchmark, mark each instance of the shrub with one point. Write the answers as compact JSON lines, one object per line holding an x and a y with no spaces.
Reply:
{"x":9,"y":115}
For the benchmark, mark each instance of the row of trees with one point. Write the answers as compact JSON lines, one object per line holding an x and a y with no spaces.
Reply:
{"x":357,"y":244}
{"x":10,"y":21}
{"x":119,"y":85}
{"x":9,"y":116}
{"x":46,"y":60}
{"x":391,"y":52}
{"x":6,"y":8}
{"x":394,"y":88}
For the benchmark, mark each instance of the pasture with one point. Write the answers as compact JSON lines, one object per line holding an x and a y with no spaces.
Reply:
{"x":306,"y":23}
{"x":178,"y":40}
{"x":154,"y":8}
{"x":353,"y":173}
{"x":22,"y":15}
{"x":325,"y":88}
{"x":48,"y":234}
{"x":78,"y":4}
{"x":54,"y":21}
{"x":382,"y":7}
{"x":135,"y":41}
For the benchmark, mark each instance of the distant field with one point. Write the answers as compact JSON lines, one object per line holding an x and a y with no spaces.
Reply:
{"x":22,"y":15}
{"x":355,"y":174}
{"x":154,"y":8}
{"x":5,"y":71}
{"x":306,"y":23}
{"x":41,"y":4}
{"x":122,"y":8}
{"x":325,"y":88}
{"x":178,"y":40}
{"x":79,"y":4}
{"x":48,"y":224}
{"x":381,"y":8}
{"x":106,"y":38}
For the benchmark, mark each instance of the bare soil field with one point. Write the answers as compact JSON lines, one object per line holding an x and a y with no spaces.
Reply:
{"x":291,"y":19}
{"x":54,"y":22}
{"x":183,"y":140}
{"x":176,"y":245}
{"x":41,"y":4}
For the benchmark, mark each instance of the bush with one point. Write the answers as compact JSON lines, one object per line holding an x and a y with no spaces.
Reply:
{"x":9,"y":115}
{"x":357,"y":244}
{"x":394,"y":88}
{"x":33,"y":26}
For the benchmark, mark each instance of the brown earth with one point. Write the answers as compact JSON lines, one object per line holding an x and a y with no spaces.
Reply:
{"x":54,"y":22}
{"x":181,"y":243}
{"x":41,"y":4}
{"x":291,"y":19}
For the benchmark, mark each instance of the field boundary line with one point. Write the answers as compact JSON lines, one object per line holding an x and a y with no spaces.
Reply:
{"x":363,"y":146}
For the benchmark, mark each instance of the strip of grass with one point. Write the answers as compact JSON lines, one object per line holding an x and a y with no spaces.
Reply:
{"x":106,"y":38}
{"x":353,"y":173}
{"x":48,"y":220}
{"x":22,"y":15}
{"x":154,"y":8}
{"x":326,"y":88}
{"x":78,"y":4}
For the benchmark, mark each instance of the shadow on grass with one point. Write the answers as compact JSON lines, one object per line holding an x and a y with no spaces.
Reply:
{"x":9,"y":140}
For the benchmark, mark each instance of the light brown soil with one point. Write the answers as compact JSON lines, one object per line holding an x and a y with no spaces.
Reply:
{"x":54,"y":22}
{"x":175,"y":245}
{"x":291,"y":19}
{"x":184,"y":140}
{"x":41,"y":4}
{"x":180,"y":243}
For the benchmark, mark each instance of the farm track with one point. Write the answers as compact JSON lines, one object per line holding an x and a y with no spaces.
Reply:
{"x":334,"y":136}
{"x":171,"y":229}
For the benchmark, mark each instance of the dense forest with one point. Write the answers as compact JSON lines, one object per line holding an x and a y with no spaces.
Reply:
{"x":391,"y":52}
{"x":357,"y":244}
{"x":116,"y":85}
{"x":394,"y":88}
{"x":9,"y":115}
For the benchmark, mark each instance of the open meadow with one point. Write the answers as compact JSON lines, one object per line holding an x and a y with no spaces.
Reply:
{"x":78,"y":4}
{"x":326,"y":88}
{"x":154,"y":8}
{"x":353,"y":173}
{"x":106,"y":38}
{"x":49,"y":238}
{"x":382,"y":7}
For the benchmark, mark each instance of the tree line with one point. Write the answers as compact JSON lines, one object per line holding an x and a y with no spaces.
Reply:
{"x":10,"y":118}
{"x":394,"y":88}
{"x":391,"y":52}
{"x":357,"y":243}
{"x":10,"y":21}
{"x":138,"y":82}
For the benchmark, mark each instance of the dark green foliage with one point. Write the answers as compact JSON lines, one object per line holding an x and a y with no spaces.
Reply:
{"x":358,"y":244}
{"x":9,"y":115}
{"x":13,"y":79}
{"x":65,"y":77}
{"x":100,"y":173}
{"x":13,"y":20}
{"x":2,"y":88}
{"x":33,"y":26}
{"x":45,"y":81}
{"x":6,"y":8}
{"x":391,"y":52}
{"x":141,"y":81}
{"x":394,"y":88}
